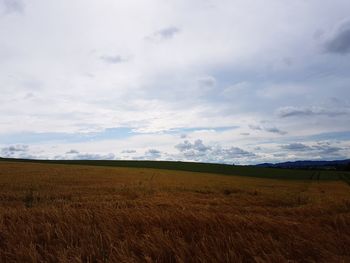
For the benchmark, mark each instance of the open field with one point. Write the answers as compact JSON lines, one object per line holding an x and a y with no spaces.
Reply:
{"x":251,"y":171}
{"x":73,"y":213}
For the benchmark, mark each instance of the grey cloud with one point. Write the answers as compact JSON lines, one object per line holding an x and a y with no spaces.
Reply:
{"x":207,"y":81}
{"x":296,"y":147}
{"x":113,"y":59}
{"x":206,"y":88}
{"x":318,"y":34}
{"x":128,"y":151}
{"x":279,"y":155}
{"x":29,"y":96}
{"x":152,"y":154}
{"x":324,"y":150}
{"x":197,"y":146}
{"x":275,"y":130}
{"x":287,"y":61}
{"x":72,"y":152}
{"x":340,"y":42}
{"x":91,"y":156}
{"x":153,"y":151}
{"x":235,"y":152}
{"x":16,"y":148}
{"x":18,"y":151}
{"x":194,"y":155}
{"x":11,"y":6}
{"x":293,"y":111}
{"x":168,"y":32}
{"x":164,"y":34}
{"x":255,"y":127}
{"x":186,"y":145}
{"x":327,"y":148}
{"x":76,"y":155}
{"x":285,"y":112}
{"x":268,"y":129}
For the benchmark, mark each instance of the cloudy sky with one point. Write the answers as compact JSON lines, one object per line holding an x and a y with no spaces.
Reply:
{"x":234,"y":81}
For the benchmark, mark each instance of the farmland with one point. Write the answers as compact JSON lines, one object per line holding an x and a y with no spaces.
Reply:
{"x":53,"y":212}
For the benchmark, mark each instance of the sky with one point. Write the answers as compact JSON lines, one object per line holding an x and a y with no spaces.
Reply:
{"x":227,"y":81}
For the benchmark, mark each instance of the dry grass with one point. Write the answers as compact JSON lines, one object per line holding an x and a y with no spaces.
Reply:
{"x":58,"y":213}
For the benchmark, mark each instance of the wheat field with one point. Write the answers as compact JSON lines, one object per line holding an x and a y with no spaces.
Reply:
{"x":71,"y":213}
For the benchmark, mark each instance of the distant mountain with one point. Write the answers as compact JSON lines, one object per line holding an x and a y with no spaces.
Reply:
{"x":337,"y":165}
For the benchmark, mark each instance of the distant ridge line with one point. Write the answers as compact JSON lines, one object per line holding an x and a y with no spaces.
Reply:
{"x":306,"y":164}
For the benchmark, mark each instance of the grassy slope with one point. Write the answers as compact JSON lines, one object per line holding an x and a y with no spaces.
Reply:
{"x":250,"y":171}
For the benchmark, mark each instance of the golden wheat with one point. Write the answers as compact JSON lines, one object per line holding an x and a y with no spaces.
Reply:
{"x":61,"y":213}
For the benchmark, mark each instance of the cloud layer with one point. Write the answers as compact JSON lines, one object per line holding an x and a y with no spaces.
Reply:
{"x":225,"y":81}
